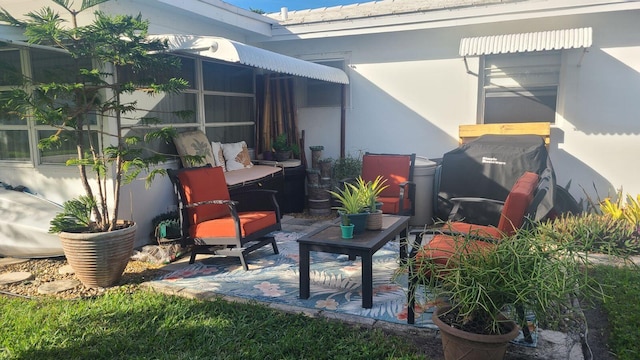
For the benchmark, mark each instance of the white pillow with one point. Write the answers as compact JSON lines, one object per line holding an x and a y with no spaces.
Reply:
{"x":236,"y":156}
{"x":218,"y":155}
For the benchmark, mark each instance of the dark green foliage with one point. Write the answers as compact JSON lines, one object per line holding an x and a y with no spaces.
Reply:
{"x":70,"y":101}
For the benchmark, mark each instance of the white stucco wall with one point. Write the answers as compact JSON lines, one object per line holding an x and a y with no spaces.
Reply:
{"x":58,"y":182}
{"x":410,"y":91}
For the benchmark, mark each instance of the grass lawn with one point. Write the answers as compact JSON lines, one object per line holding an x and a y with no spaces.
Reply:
{"x":147,"y":325}
{"x":622,"y":309}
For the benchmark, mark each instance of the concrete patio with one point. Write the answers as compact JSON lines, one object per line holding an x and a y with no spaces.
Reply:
{"x":552,"y":345}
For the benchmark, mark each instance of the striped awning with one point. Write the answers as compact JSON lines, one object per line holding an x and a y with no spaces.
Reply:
{"x":236,"y":52}
{"x":527,"y":42}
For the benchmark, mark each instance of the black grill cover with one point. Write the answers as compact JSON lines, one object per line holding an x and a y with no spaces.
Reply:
{"x":488,"y":167}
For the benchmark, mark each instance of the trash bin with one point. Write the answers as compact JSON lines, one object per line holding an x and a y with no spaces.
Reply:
{"x":423,"y":174}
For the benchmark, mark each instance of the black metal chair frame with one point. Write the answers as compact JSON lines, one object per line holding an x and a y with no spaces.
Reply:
{"x":255,"y":199}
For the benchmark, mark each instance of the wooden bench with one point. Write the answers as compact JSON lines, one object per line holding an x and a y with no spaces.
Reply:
{"x":467,"y":133}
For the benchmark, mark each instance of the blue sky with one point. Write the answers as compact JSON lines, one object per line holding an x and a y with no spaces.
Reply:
{"x":271,"y":6}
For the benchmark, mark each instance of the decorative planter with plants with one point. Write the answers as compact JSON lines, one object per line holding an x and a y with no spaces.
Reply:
{"x":369,"y":191}
{"x":109,"y":59}
{"x":283,"y":148}
{"x":481,"y":294}
{"x":352,"y":207}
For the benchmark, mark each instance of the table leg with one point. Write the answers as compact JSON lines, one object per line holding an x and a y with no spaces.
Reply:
{"x":367,"y":281}
{"x":304,"y":272}
{"x":404,"y":245}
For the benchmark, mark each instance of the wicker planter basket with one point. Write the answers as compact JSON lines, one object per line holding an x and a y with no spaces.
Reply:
{"x":99,"y":259}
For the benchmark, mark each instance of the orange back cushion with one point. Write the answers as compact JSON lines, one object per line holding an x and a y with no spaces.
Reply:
{"x":394,"y":168}
{"x":517,"y":202}
{"x":201,"y":184}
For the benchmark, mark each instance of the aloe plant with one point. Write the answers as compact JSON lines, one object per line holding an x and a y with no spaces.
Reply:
{"x":370,"y":190}
{"x":350,"y":200}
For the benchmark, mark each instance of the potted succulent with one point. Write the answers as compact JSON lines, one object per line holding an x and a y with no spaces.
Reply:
{"x":482,"y":295}
{"x":283,"y":149}
{"x":369,"y":191}
{"x":351,"y":206}
{"x":86,"y":104}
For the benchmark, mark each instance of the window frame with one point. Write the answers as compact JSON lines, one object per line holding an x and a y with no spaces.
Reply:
{"x":482,"y":87}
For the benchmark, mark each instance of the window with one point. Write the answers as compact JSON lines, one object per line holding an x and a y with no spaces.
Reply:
{"x":220,"y":98}
{"x":520,"y":87}
{"x":229,"y":102}
{"x":320,"y":93}
{"x":14,"y":133}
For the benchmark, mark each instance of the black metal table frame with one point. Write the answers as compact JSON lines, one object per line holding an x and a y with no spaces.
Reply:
{"x":328,"y":239}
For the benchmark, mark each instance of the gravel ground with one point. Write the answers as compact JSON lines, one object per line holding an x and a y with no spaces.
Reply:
{"x":48,"y":270}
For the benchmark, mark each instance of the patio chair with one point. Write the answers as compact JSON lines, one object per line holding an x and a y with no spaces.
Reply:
{"x":473,"y":237}
{"x":214,"y":223}
{"x":399,"y":197}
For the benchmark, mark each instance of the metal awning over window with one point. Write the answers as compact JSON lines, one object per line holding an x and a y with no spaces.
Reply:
{"x":526,"y":42}
{"x":236,"y":52}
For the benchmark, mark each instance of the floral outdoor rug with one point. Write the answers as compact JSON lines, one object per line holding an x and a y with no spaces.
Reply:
{"x":335,"y":281}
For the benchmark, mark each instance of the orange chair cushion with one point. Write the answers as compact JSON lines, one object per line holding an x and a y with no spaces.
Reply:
{"x":391,"y":205}
{"x":517,"y":202}
{"x":250,"y":222}
{"x":202,"y":184}
{"x":441,"y":248}
{"x":394,"y":168}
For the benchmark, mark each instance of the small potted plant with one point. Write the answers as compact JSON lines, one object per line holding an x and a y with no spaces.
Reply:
{"x":283,"y":149}
{"x":346,"y":226}
{"x":481,"y":295}
{"x":351,"y":206}
{"x":369,"y":191}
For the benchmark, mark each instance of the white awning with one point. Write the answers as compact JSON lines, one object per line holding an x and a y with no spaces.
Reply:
{"x":527,"y":42}
{"x":33,"y":46}
{"x":236,"y":52}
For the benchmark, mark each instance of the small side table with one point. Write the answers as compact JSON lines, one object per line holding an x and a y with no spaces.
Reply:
{"x":329,"y":239}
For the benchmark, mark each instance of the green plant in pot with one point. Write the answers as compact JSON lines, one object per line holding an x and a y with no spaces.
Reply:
{"x":369,"y":191}
{"x":283,"y":148}
{"x":94,"y":124}
{"x":481,"y":293}
{"x":351,"y":206}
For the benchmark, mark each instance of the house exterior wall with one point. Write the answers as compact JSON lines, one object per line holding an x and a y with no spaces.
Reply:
{"x":59,"y":183}
{"x":410,"y":90}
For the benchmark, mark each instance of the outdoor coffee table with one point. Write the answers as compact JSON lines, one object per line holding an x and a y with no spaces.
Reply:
{"x":329,"y":239}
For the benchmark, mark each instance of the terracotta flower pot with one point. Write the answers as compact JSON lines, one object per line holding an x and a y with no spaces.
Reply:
{"x":99,"y":259}
{"x":458,"y":344}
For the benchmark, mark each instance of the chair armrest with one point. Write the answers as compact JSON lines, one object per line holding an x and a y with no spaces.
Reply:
{"x":441,"y":231}
{"x":457,"y":201}
{"x":209,"y":202}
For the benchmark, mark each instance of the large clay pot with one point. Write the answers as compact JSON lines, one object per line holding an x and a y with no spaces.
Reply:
{"x":99,"y":259}
{"x":458,"y":344}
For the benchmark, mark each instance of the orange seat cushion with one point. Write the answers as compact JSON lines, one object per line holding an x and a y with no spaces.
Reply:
{"x":391,"y":205}
{"x":202,"y":184}
{"x":394,"y":168}
{"x":250,"y":222}
{"x":517,"y":202}
{"x":442,"y":247}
